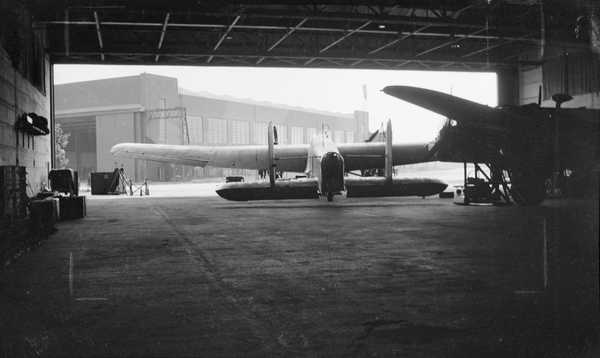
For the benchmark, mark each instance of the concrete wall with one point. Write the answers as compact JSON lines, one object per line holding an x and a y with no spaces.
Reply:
{"x":112,"y":129}
{"x":204,"y":108}
{"x":508,"y":87}
{"x":156,"y":91}
{"x":589,"y":100}
{"x":113,"y":92}
{"x":17,"y":96}
{"x":529,"y":81}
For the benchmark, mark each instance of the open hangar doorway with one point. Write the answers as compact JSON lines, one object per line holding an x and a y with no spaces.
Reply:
{"x":378,"y":277}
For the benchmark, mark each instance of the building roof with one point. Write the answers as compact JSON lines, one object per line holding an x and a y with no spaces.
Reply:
{"x":78,"y":96}
{"x":250,"y":101}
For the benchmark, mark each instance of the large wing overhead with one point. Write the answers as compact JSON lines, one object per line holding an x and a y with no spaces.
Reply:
{"x":466,"y":113}
{"x":290,"y":158}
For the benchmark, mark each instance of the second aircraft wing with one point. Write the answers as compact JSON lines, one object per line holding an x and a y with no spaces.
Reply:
{"x":290,"y":158}
{"x":372,"y":155}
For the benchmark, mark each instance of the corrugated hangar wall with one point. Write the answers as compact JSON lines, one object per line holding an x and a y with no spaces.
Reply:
{"x":580,"y":72}
{"x":24,"y":88}
{"x":530,"y":79}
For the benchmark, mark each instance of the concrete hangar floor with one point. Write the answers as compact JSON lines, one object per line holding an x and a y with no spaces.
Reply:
{"x":201,"y":276}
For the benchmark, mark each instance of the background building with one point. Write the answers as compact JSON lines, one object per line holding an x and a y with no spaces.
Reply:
{"x":153,"y":109}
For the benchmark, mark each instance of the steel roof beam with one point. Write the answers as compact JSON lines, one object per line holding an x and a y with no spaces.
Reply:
{"x":226,"y":33}
{"x":403,"y":63}
{"x":285,"y":36}
{"x":448,"y":43}
{"x":99,"y":34}
{"x":301,"y":29}
{"x":309,"y":61}
{"x":357,"y":62}
{"x":223,"y":37}
{"x":350,"y":33}
{"x":289,"y":62}
{"x":393,"y":42}
{"x":162,"y":35}
{"x":342,"y":59}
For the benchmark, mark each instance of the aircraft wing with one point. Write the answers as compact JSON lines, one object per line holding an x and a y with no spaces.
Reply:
{"x":290,"y":158}
{"x":466,"y":113}
{"x":372,"y":155}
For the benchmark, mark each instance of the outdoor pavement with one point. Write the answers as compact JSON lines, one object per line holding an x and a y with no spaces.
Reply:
{"x":201,"y":276}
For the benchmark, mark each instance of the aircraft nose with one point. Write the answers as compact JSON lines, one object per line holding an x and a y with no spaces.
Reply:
{"x":116,"y":149}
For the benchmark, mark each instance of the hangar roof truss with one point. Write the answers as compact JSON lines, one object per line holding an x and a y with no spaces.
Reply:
{"x":405,"y":34}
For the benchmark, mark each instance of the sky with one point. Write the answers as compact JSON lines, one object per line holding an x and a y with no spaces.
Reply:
{"x":334,"y":90}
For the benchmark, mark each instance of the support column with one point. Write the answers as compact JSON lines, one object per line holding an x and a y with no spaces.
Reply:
{"x":508,"y":86}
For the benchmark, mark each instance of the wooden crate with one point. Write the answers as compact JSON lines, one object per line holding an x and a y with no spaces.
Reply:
{"x":13,"y":192}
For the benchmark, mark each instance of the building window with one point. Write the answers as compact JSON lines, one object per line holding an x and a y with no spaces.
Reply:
{"x":338,"y":137}
{"x":281,"y":133}
{"x":240,"y":132}
{"x":216,"y":131}
{"x":297,"y":135}
{"x":310,"y":134}
{"x":259,"y":132}
{"x":195,"y":129}
{"x":349,"y":137}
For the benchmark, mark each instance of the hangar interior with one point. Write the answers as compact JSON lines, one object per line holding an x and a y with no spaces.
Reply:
{"x":537,"y":48}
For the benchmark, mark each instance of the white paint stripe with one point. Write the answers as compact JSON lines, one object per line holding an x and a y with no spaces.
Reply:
{"x":91,"y":299}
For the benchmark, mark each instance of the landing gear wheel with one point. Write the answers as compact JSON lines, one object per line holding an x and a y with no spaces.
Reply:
{"x":329,"y":196}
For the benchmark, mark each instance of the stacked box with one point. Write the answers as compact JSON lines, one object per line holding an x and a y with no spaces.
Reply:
{"x":44,"y":214}
{"x":13,"y":192}
{"x":72,"y":207}
{"x":101,"y":182}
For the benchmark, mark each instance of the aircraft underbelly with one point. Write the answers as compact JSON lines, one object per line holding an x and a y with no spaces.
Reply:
{"x":379,"y":186}
{"x":288,"y":189}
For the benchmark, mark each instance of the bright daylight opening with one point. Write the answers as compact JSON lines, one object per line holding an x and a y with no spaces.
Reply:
{"x":98,"y":106}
